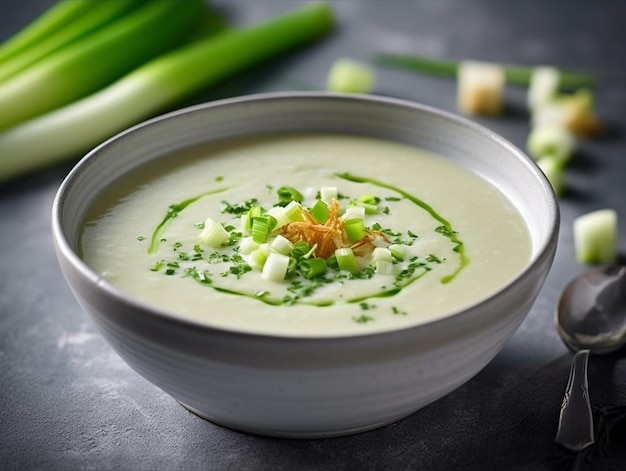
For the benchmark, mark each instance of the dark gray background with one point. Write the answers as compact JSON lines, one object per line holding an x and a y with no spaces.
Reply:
{"x":67,"y":401}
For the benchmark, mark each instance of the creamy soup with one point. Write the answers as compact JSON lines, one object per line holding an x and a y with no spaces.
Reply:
{"x":306,"y":235}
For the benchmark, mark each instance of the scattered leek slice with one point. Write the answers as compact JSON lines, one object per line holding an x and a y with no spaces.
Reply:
{"x":346,"y":259}
{"x":572,"y":111}
{"x":65,"y":22}
{"x":543,"y":86}
{"x":349,"y":76}
{"x":213,"y":234}
{"x":287,"y":194}
{"x":554,"y":170}
{"x":100,"y":58}
{"x":261,"y":228}
{"x":312,"y":267}
{"x":155,"y":87}
{"x":320,"y":211}
{"x":384,"y":267}
{"x":595,"y":237}
{"x":355,"y":229}
{"x":514,"y":75}
{"x":275,"y":268}
{"x":328,"y":193}
{"x":281,"y":245}
{"x":382,"y":253}
{"x":551,"y":140}
{"x":480,"y":88}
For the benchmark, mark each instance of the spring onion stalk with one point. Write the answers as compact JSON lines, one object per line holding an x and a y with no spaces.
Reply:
{"x":275,"y":268}
{"x":320,"y":211}
{"x":350,"y":76}
{"x":346,"y":259}
{"x":155,"y":87}
{"x":312,"y":267}
{"x":102,"y":57}
{"x":93,"y":15}
{"x":514,"y":75}
{"x":57,"y":17}
{"x":595,"y":237}
{"x":213,"y":234}
{"x":355,"y":229}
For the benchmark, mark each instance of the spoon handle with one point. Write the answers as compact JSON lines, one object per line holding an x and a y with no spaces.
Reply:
{"x":576,"y":422}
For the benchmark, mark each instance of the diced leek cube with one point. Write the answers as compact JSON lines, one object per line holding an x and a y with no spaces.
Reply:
{"x":382,"y":253}
{"x":384,"y":267}
{"x":213,"y":234}
{"x":354,"y":212}
{"x":555,"y":173}
{"x":275,"y":268}
{"x":595,"y":237}
{"x":551,"y":140}
{"x":543,"y":86}
{"x":247,"y":246}
{"x":350,"y":76}
{"x":281,"y":245}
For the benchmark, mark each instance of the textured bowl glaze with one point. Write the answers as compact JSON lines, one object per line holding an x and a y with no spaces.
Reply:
{"x":307,"y":387}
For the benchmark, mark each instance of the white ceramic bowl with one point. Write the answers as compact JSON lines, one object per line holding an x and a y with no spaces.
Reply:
{"x":307,"y":387}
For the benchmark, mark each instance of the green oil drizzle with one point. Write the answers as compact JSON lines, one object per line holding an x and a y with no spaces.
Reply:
{"x":444,"y":229}
{"x":173,"y":211}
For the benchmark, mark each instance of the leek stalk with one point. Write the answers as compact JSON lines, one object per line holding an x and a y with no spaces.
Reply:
{"x":154,"y":87}
{"x":102,"y":57}
{"x":514,"y":75}
{"x":93,"y":15}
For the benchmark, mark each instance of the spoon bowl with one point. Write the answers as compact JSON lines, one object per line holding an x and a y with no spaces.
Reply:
{"x":591,"y":314}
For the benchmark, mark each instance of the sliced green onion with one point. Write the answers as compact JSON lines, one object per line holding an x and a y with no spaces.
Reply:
{"x":98,"y":59}
{"x":328,"y":193}
{"x":262,"y":226}
{"x":213,"y":234}
{"x":312,"y":267}
{"x":382,"y":253}
{"x":259,"y":256}
{"x":281,"y":245}
{"x":368,"y":207}
{"x":320,"y":212}
{"x":155,"y":87}
{"x":246,"y":220}
{"x":397,"y":251}
{"x":353,"y":212}
{"x":349,"y":76}
{"x":287,"y":194}
{"x":247,"y":246}
{"x":275,"y":268}
{"x":355,"y":229}
{"x":86,"y":17}
{"x":595,"y":237}
{"x":384,"y":267}
{"x":346,"y":259}
{"x":293,"y":211}
{"x":301,"y":249}
{"x":279,"y":213}
{"x":514,"y":75}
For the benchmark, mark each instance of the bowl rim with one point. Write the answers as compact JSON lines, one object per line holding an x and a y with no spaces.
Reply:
{"x":65,"y":250}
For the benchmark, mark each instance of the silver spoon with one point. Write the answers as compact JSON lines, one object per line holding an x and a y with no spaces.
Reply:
{"x":591,"y":318}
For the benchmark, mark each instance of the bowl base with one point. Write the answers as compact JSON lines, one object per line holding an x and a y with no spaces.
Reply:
{"x":293,"y":434}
